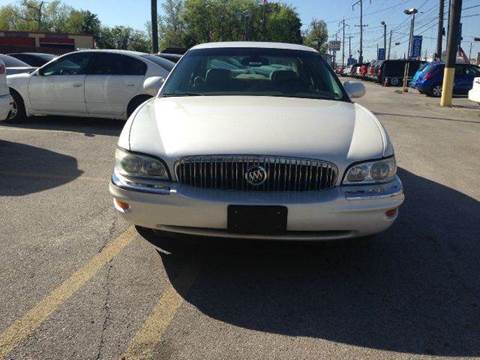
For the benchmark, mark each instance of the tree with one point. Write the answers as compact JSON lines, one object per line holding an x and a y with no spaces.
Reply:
{"x":83,"y":21}
{"x":283,"y":24}
{"x":220,"y":20}
{"x":121,"y":37}
{"x":171,"y":25}
{"x":316,"y":35}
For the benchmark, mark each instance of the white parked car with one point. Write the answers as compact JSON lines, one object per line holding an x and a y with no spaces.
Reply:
{"x":474,"y":93}
{"x":90,"y":83}
{"x":5,"y":98}
{"x":245,"y":152}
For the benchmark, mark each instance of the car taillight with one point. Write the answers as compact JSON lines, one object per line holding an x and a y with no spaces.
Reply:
{"x":2,"y":69}
{"x":428,"y":76}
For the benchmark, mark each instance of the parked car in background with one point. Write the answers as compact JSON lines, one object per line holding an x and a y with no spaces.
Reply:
{"x":372,"y":72}
{"x":273,"y":150}
{"x":347,"y":71}
{"x":15,"y":66}
{"x":391,"y":72}
{"x":355,"y":70}
{"x":34,"y":59}
{"x":6,"y":101}
{"x":339,"y":70}
{"x":172,"y":57}
{"x":431,"y":81}
{"x":418,"y":77}
{"x":89,"y":83}
{"x":474,"y":93}
{"x":363,"y":70}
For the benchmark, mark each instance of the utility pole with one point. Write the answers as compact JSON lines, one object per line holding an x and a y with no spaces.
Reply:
{"x":440,"y":28}
{"x":350,"y":47}
{"x":452,"y":46}
{"x":390,"y":45}
{"x":343,"y":42}
{"x":360,"y":2}
{"x":154,"y":26}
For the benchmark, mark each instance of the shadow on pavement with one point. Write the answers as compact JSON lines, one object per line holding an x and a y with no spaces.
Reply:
{"x":27,"y":169}
{"x":414,"y":289}
{"x":87,"y":126}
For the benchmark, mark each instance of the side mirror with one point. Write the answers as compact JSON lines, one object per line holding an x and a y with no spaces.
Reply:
{"x":152,"y":84}
{"x":354,"y":89}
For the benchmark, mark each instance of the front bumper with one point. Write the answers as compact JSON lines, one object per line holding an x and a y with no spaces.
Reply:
{"x":6,"y":103}
{"x":337,"y":213}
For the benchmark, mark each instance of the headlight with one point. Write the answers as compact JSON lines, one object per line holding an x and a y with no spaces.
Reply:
{"x":371,"y":172}
{"x":136,"y":165}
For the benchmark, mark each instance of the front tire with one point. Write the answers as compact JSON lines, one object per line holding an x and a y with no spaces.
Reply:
{"x":18,"y":113}
{"x":435,"y":91}
{"x":135,"y":103}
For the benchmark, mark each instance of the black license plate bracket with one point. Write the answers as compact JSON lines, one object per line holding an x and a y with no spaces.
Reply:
{"x":262,"y":220}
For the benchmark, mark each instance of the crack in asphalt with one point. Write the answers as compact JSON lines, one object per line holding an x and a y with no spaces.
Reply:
{"x":106,"y":304}
{"x":106,"y":310}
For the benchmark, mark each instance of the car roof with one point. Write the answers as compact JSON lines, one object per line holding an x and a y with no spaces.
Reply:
{"x":115,"y":51}
{"x":31,"y":53}
{"x":252,"y":44}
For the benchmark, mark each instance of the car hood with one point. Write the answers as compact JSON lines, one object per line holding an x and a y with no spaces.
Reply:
{"x":337,"y":131}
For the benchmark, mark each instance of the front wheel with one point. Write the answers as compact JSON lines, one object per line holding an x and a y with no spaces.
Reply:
{"x":18,"y":113}
{"x":435,"y":91}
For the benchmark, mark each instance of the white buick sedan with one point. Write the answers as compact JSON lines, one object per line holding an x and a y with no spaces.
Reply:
{"x":256,"y":140}
{"x":89,"y":83}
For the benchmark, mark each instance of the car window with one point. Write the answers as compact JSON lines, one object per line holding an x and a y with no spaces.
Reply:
{"x":73,"y":64}
{"x":116,"y":64}
{"x":254,"y":71}
{"x":36,"y":60}
{"x":164,"y":63}
{"x":12,"y":62}
{"x":472,"y":71}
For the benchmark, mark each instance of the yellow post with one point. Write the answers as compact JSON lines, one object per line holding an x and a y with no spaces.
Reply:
{"x":447,"y":87}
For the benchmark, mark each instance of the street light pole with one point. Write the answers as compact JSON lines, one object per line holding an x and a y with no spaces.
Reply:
{"x":384,"y":37}
{"x":412,"y":12}
{"x":440,"y":28}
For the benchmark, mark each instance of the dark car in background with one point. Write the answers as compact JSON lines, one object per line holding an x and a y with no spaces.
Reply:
{"x":34,"y":59}
{"x":391,"y":72}
{"x":430,"y":81}
{"x":16,"y":66}
{"x":172,"y":57}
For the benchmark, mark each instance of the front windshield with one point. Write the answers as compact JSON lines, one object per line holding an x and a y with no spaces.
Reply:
{"x":253,"y":71}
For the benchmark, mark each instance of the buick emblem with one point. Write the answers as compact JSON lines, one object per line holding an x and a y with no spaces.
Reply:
{"x":256,"y":175}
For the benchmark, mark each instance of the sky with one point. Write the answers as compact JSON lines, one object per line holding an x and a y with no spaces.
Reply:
{"x":136,"y":13}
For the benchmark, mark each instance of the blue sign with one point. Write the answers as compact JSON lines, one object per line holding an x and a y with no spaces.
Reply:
{"x":417,"y":46}
{"x":381,"y":54}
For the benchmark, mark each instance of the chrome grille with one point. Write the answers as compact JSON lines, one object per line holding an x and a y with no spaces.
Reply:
{"x":282,"y":173}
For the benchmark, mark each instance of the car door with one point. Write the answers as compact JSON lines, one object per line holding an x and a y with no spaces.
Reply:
{"x":59,"y":87}
{"x":471,"y":72}
{"x":113,"y":80}
{"x":461,"y":79}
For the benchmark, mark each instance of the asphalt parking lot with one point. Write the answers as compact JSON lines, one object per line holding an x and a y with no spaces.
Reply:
{"x":78,"y":283}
